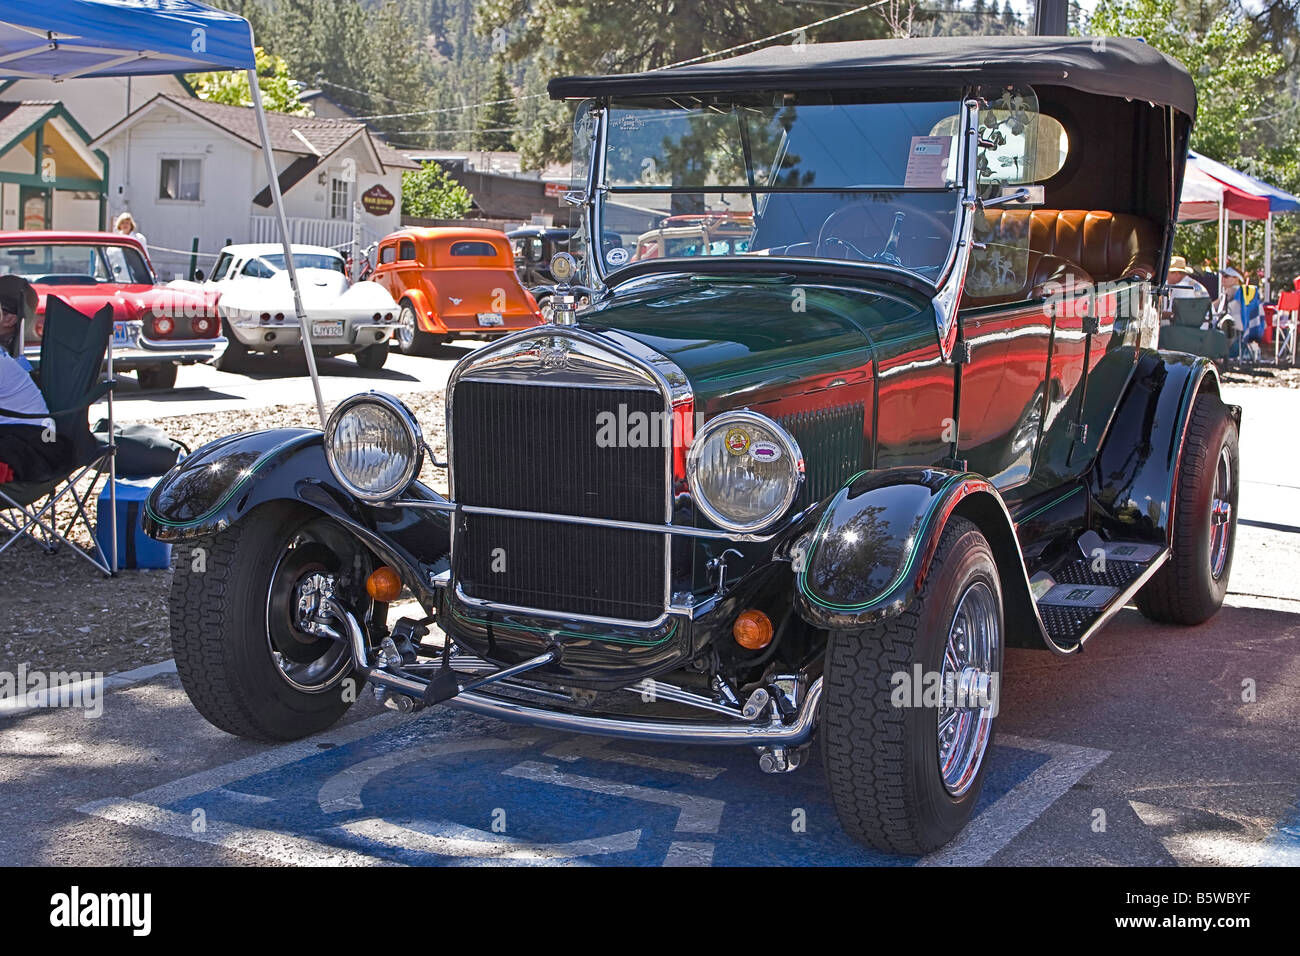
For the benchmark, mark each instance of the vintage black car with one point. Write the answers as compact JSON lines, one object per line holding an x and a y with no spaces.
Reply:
{"x":809,"y":491}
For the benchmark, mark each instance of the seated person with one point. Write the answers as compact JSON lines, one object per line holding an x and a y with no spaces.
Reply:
{"x":30,"y":448}
{"x":18,"y":302}
{"x":1183,"y":284}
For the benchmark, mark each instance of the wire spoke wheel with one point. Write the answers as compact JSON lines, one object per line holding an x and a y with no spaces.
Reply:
{"x":965,"y":719}
{"x":1221,"y":514}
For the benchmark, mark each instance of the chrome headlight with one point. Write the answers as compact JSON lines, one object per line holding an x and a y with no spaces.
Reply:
{"x":374,"y":445}
{"x":744,"y":471}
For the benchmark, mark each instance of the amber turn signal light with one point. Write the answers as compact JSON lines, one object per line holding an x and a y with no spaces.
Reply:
{"x":384,"y":585}
{"x":752,"y":630}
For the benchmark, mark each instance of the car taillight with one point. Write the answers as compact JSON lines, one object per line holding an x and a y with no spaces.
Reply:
{"x":201,"y":326}
{"x":163,"y":325}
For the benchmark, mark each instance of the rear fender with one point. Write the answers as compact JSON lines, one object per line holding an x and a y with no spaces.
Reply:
{"x":226,"y":480}
{"x":1134,"y":482}
{"x":426,"y":316}
{"x":873,"y":550}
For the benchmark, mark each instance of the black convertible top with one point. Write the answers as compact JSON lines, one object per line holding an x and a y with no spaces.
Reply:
{"x":1110,"y":66}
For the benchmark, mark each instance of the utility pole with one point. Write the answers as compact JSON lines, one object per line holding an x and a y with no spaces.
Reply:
{"x":1050,"y":18}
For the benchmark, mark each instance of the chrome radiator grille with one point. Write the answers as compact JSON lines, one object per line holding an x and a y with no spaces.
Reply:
{"x":530,"y":447}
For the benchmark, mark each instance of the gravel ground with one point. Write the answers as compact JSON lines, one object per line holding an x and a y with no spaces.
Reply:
{"x":57,"y":612}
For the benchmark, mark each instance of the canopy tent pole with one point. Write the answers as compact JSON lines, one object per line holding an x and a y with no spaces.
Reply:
{"x":1222,"y":249}
{"x":1267,"y":291}
{"x":277,"y":201}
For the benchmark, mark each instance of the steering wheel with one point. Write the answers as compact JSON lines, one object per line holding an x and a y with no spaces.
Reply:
{"x":884,"y":227}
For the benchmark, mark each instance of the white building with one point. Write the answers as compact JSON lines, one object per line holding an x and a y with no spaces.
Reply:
{"x":191,"y":170}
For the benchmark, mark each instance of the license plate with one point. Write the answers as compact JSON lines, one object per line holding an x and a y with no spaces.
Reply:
{"x":490,"y":318}
{"x":126,"y":334}
{"x":327,"y":330}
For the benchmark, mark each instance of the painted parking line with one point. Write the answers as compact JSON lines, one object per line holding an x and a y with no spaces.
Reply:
{"x":269,"y":760}
{"x":275,"y":847}
{"x":431,"y":789}
{"x":696,"y":814}
{"x":468,"y":844}
{"x":989,"y":832}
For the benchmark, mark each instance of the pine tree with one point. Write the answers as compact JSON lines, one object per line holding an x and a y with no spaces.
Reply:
{"x":497,"y":120}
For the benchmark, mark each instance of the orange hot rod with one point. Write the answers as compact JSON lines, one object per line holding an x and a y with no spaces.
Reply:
{"x":452,"y":282}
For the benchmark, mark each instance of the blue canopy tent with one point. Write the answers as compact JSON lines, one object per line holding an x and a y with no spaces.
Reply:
{"x":67,"y":39}
{"x":64,"y":39}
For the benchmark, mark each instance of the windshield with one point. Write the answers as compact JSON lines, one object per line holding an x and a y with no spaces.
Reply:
{"x":305,"y":260}
{"x":75,"y":264}
{"x":783,"y":175}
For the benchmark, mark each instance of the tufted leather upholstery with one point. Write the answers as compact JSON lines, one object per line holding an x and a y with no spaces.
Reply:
{"x":1108,"y":246}
{"x":1043,"y":269}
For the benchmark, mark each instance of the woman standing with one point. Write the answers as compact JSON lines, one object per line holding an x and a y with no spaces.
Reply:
{"x":125,"y":224}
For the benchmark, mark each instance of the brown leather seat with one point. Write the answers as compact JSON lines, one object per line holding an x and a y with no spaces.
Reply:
{"x":1046,"y":274}
{"x":1108,"y":246}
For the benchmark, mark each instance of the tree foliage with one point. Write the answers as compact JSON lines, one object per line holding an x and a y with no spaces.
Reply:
{"x":429,"y":193}
{"x":612,"y":36}
{"x":1246,"y":109}
{"x":279,"y":90}
{"x":497,"y":119}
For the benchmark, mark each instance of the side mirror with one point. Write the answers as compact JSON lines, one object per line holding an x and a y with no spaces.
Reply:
{"x":198,"y":275}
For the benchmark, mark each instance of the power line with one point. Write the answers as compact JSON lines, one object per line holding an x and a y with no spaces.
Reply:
{"x":532,"y":96}
{"x":775,"y":36}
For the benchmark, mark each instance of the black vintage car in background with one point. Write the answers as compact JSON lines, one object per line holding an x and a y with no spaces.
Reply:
{"x":759,"y":499}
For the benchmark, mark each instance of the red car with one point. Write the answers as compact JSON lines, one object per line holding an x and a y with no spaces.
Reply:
{"x":156,"y":328}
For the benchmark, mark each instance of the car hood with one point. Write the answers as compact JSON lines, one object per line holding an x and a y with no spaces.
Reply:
{"x":743,"y":341}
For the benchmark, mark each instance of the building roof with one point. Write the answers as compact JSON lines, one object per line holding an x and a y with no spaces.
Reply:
{"x":306,"y":135}
{"x":16,"y":119}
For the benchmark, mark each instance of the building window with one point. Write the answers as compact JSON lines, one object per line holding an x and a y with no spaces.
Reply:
{"x":179,"y":179}
{"x":340,"y":199}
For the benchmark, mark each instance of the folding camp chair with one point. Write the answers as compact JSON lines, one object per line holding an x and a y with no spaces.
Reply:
{"x":73,"y":349}
{"x":1284,"y":324}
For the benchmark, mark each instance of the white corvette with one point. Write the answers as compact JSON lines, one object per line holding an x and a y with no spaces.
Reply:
{"x":257,"y":309}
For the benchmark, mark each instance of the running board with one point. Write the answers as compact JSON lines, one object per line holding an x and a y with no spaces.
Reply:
{"x":1078,"y":601}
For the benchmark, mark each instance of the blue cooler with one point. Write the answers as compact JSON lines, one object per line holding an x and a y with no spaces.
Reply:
{"x":134,"y":548}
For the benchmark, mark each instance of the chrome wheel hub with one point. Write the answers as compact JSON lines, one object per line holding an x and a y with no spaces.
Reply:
{"x":1221,"y":514}
{"x":969,"y":688}
{"x":406,"y":327}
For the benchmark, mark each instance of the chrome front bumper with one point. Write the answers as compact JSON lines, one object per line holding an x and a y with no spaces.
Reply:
{"x":772,"y":733}
{"x":471,"y":674}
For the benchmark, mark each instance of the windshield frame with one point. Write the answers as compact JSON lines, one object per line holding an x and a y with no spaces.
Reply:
{"x":598,"y":188}
{"x":944,"y":291}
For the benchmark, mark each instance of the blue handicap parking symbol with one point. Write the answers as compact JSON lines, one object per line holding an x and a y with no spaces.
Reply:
{"x":449,"y":788}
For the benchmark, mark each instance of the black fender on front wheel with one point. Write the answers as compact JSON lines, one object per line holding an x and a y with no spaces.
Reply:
{"x":224,"y":480}
{"x":869,"y":556}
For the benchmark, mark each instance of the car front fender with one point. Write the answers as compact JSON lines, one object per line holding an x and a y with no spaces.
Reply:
{"x":872,"y":550}
{"x":226,"y":480}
